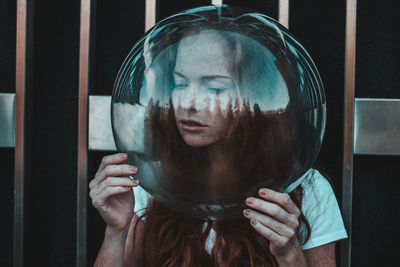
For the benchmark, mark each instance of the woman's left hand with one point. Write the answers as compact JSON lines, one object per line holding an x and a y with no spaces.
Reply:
{"x":275,"y":216}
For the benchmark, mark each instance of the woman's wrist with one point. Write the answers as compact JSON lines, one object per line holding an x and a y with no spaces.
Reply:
{"x":112,"y":250}
{"x":113,"y":234}
{"x":296,"y":258}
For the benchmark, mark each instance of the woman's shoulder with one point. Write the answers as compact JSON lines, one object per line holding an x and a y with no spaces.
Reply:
{"x":142,"y":198}
{"x":320,"y":207}
{"x":310,"y":180}
{"x":315,"y":181}
{"x":317,"y":191}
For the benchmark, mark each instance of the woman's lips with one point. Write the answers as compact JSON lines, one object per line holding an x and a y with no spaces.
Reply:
{"x":192,"y":126}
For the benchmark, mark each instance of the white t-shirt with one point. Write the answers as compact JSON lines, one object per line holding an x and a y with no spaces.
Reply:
{"x":319,"y":206}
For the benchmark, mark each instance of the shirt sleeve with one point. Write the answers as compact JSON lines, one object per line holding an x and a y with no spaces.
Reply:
{"x":142,"y":198}
{"x":322,"y":211}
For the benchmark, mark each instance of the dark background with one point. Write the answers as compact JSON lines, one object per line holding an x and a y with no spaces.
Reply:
{"x":116,"y":26}
{"x":7,"y":85}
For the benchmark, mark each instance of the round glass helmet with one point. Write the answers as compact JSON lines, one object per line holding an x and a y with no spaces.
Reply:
{"x":214,"y":103}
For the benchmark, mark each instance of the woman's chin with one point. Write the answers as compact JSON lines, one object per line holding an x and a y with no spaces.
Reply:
{"x":197,"y":141}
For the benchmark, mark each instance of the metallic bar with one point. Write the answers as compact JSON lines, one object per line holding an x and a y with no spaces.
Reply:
{"x":347,"y":191}
{"x":284,"y":13}
{"x":377,"y":126}
{"x":7,"y":120}
{"x":150,"y":19}
{"x":20,"y":83}
{"x":100,"y":132}
{"x":82,"y":133}
{"x":216,"y":2}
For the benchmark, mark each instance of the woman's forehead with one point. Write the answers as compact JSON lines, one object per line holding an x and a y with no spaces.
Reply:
{"x":207,"y":53}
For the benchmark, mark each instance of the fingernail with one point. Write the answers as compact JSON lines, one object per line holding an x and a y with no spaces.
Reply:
{"x":135,"y":182}
{"x":250,"y":200}
{"x":246,"y":212}
{"x":263,"y":193}
{"x":123,"y":155}
{"x":133,"y":169}
{"x":253,"y":222}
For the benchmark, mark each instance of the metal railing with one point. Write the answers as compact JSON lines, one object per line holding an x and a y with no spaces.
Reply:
{"x":371,"y":125}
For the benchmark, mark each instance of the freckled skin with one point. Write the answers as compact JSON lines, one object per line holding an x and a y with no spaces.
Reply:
{"x":321,"y":256}
{"x":200,"y":56}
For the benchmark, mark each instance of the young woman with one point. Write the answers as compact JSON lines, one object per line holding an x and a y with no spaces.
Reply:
{"x":201,"y":138}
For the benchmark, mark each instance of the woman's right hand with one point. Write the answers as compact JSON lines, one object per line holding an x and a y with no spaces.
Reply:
{"x":111,"y":192}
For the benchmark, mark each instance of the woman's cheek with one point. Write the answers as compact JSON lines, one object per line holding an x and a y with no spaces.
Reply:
{"x":175,"y":99}
{"x":224,"y":102}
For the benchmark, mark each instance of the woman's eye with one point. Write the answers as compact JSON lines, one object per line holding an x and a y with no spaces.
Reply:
{"x":179,"y":86}
{"x":216,"y":91}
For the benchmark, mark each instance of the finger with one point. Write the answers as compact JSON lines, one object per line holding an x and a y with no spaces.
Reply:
{"x":269,"y":208}
{"x":112,"y":159}
{"x":108,"y":192}
{"x":116,"y":181}
{"x":112,"y":171}
{"x":274,"y":210}
{"x":269,"y":222}
{"x":267,"y":233}
{"x":282,"y":199}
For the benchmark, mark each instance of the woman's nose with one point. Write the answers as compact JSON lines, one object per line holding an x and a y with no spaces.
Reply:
{"x":190,"y":98}
{"x":194,"y":98}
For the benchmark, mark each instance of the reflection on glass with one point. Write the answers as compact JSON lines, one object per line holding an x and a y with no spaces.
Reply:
{"x":211,"y":106}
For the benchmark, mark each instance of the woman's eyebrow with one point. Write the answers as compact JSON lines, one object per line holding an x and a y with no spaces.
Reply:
{"x":227,"y":80}
{"x":207,"y":77}
{"x":213,"y":77}
{"x":179,"y":74}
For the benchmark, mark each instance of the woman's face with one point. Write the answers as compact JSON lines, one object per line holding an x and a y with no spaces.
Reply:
{"x":203,"y":88}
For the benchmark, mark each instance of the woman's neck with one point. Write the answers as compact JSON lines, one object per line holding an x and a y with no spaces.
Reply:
{"x":218,"y":165}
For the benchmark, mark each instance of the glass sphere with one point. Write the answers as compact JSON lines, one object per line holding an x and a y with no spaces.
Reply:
{"x":214,"y":103}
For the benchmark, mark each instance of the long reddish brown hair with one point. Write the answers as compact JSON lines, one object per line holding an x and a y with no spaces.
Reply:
{"x":175,"y":239}
{"x":258,"y":146}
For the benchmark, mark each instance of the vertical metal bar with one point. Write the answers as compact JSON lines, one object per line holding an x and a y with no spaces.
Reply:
{"x":150,"y":16}
{"x":284,"y":13}
{"x":20,"y":133}
{"x":216,"y":2}
{"x":82,"y":133}
{"x":348,"y":149}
